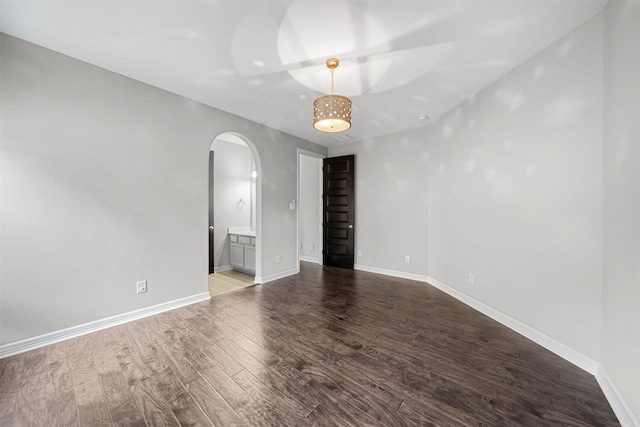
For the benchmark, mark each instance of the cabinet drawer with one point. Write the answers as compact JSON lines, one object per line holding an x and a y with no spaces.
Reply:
{"x":245,"y":240}
{"x":233,"y":238}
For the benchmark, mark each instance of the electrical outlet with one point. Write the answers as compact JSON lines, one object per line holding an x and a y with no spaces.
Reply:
{"x":407,"y":259}
{"x":359,"y":252}
{"x":312,"y":247}
{"x":277,"y":259}
{"x":141,"y":286}
{"x":472,"y":279}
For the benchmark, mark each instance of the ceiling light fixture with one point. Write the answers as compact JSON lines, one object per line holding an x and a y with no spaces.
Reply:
{"x":332,"y":113}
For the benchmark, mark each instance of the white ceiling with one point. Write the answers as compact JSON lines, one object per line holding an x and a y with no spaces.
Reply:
{"x":265,"y":60}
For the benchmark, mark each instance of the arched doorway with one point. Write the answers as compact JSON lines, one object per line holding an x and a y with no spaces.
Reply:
{"x":235,"y":208}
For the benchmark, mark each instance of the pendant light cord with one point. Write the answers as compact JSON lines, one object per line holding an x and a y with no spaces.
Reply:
{"x":332,"y":81}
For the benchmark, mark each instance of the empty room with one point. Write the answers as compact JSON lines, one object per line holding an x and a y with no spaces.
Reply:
{"x":331,"y":213}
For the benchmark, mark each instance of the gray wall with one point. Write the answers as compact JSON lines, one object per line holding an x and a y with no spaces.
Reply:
{"x":621,"y":285}
{"x":232,"y":176}
{"x":515,"y":182}
{"x":309,"y":216}
{"x":104,"y":182}
{"x":391,"y":201}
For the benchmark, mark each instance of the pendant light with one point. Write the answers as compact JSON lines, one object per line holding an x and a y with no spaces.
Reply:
{"x":332,"y":113}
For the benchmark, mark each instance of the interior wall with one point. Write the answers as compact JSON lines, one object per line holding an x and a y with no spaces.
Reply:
{"x":391,"y":201}
{"x":516,"y":192}
{"x":309,"y":208}
{"x":621,"y":284}
{"x":232,"y":177}
{"x":104,"y":182}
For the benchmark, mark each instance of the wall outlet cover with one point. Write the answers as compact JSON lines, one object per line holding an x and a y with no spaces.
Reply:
{"x":141,"y":286}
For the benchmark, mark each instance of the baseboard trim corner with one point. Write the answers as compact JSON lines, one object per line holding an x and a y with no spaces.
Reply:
{"x":13,"y":348}
{"x":309,"y":259}
{"x":614,"y":397}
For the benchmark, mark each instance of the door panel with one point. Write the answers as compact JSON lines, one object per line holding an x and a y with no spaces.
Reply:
{"x":338,"y":211}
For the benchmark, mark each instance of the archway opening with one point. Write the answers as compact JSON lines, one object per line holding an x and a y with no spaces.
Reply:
{"x":235,"y":212}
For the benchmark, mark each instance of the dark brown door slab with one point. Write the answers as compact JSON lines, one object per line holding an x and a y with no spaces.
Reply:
{"x":338,"y":211}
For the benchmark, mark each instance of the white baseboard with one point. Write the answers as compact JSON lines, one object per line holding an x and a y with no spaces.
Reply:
{"x":280,"y":275}
{"x":310,"y":259}
{"x":618,"y":404}
{"x":28,"y":344}
{"x":566,"y":352}
{"x":394,"y":273}
{"x":223,"y":268}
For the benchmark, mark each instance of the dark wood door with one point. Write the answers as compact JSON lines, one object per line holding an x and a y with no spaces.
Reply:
{"x":338,"y":211}
{"x":212,"y":265}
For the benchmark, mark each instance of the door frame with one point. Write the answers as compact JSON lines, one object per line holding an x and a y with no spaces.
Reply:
{"x":319,"y":157}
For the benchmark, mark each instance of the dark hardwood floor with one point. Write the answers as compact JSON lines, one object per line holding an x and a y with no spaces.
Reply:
{"x":329,"y":347}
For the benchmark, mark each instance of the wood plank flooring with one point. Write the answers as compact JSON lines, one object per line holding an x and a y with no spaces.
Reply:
{"x":328,"y":347}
